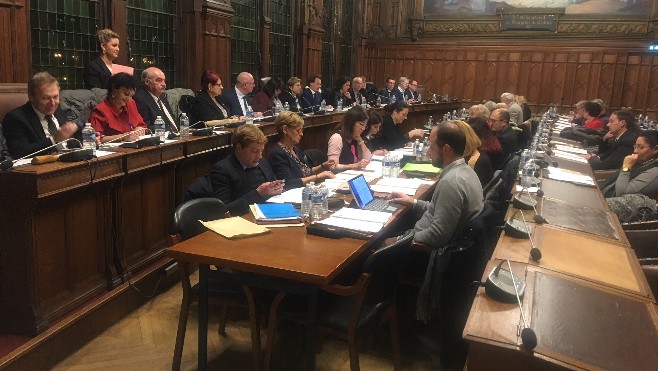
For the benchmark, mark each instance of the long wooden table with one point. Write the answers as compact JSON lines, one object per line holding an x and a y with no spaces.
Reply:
{"x":74,"y":231}
{"x":586,"y":299}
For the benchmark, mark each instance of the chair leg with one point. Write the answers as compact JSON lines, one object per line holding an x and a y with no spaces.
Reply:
{"x":180,"y":333}
{"x":271,"y":330}
{"x":255,"y":329}
{"x":395,"y":337}
{"x":353,"y":345}
{"x":222,"y":320}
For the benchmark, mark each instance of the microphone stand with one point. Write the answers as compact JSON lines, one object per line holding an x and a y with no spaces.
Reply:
{"x":9,"y":163}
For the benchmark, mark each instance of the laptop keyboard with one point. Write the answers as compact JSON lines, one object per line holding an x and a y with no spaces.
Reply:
{"x":378,"y":204}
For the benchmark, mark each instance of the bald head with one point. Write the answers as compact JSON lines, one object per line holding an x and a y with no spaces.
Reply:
{"x":245,"y":82}
{"x":154,"y":81}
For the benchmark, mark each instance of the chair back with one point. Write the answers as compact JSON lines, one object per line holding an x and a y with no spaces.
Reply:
{"x":385,"y":267}
{"x":188,"y":214}
{"x":316,"y":156}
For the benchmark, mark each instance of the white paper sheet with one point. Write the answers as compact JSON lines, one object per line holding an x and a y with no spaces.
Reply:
{"x":578,"y":151}
{"x":569,"y":156}
{"x":363,"y":226}
{"x":390,"y":189}
{"x":363,"y":215}
{"x":293,"y":196}
{"x":569,"y":176}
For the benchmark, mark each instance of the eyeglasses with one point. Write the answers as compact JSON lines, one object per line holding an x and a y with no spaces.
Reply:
{"x":640,"y":147}
{"x":413,"y":84}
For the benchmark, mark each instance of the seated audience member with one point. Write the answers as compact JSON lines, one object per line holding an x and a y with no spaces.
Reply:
{"x":578,"y":115}
{"x":207,"y":105}
{"x":40,"y":122}
{"x":242,"y":179}
{"x":478,"y":161}
{"x":4,"y":152}
{"x":346,"y":147}
{"x":412,"y":91}
{"x":372,"y":93}
{"x":591,"y":112}
{"x":371,"y":134}
{"x":605,"y":115}
{"x":311,"y":97}
{"x":357,"y":90}
{"x":490,"y":105}
{"x":489,"y":143}
{"x":152,"y":102}
{"x":401,"y":92}
{"x":237,"y":96}
{"x":504,"y":132}
{"x":340,"y":93}
{"x":639,"y":171}
{"x":291,"y":94}
{"x":387,"y":94}
{"x":287,"y":160}
{"x":521,"y":101}
{"x":266,"y":100}
{"x":478,"y":110}
{"x":117,"y":114}
{"x":515,"y":111}
{"x":391,"y":137}
{"x":98,"y":71}
{"x":617,"y":143}
{"x":456,"y":200}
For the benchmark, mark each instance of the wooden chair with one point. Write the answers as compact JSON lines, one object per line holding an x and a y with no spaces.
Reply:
{"x":220,"y":287}
{"x":352,"y":311}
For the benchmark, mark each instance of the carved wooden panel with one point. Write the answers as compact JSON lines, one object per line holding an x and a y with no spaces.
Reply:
{"x":560,"y":73}
{"x":15,"y":56}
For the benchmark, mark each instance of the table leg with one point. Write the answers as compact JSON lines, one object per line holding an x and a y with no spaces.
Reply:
{"x":311,"y":328}
{"x":203,"y":317}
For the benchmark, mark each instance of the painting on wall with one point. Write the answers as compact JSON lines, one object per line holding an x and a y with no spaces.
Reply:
{"x":575,"y":7}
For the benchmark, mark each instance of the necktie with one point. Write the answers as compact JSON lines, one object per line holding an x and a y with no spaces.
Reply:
{"x":244,"y":107}
{"x":164,"y":116}
{"x":52,"y":127}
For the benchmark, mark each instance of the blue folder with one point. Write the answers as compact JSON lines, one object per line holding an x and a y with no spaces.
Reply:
{"x":276,"y":211}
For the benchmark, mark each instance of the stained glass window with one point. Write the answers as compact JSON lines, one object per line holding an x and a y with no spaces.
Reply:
{"x":281,"y":39}
{"x":243,"y":38}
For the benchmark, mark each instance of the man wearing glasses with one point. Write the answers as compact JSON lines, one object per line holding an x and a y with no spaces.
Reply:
{"x":412,"y":91}
{"x":504,"y":133}
{"x":617,"y":143}
{"x":238,"y":97}
{"x":151,"y":100}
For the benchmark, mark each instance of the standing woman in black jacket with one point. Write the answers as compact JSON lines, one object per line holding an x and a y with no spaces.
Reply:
{"x":391,"y":137}
{"x":98,"y":71}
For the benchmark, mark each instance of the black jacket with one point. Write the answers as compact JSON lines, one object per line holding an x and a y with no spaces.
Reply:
{"x":203,"y":108}
{"x":287,"y":96}
{"x":230,"y":99}
{"x":310,"y":101}
{"x":96,"y":74}
{"x":229,"y":184}
{"x":390,"y":136}
{"x":24,"y":133}
{"x":508,"y":141}
{"x":149,"y":109}
{"x":612,"y":152}
{"x":4,"y":151}
{"x":285,"y":167}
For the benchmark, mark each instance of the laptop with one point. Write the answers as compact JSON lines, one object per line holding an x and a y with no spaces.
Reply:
{"x":364,"y":198}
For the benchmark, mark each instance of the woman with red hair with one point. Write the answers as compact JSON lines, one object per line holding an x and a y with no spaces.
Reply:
{"x":208,"y":105}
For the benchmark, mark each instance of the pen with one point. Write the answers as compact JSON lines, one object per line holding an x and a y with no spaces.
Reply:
{"x":132,"y":127}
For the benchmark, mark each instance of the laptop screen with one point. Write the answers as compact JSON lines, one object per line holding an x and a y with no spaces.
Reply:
{"x":360,"y":191}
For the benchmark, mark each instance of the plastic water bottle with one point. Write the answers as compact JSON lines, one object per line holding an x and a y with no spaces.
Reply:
{"x":307,"y":192}
{"x":528,"y":175}
{"x":159,"y":125}
{"x":426,"y":146}
{"x":379,"y":101}
{"x":434,"y":98}
{"x":317,"y":208}
{"x":430,"y":123}
{"x":286,"y":107}
{"x":277,"y":107}
{"x":250,"y":115}
{"x":89,"y":138}
{"x":324,"y":192}
{"x":418,"y":150}
{"x":184,"y":126}
{"x":339,"y":105}
{"x":395,"y":167}
{"x":525,"y":156}
{"x":393,"y":98}
{"x":323,"y":106}
{"x":386,"y":166}
{"x":420,"y":98}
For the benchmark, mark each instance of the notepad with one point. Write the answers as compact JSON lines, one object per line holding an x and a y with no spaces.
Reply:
{"x":234,"y":227}
{"x":422,"y":168}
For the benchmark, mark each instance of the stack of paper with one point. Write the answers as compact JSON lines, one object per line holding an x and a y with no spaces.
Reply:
{"x":569,"y":156}
{"x":570,"y":149}
{"x":234,"y":227}
{"x":293,"y":196}
{"x":358,"y":220}
{"x":422,"y":168}
{"x":275,"y":213}
{"x":570,"y":176}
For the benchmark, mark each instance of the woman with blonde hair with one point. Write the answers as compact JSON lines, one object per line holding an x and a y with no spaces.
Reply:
{"x":479,"y":110}
{"x":97,"y":73}
{"x":286,"y":158}
{"x":478,"y":161}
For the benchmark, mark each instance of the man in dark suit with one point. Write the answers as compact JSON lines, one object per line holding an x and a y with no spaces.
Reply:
{"x":412,"y":90}
{"x":311,"y":97}
{"x":242,"y":179}
{"x":388,"y":92}
{"x":152,"y":101}
{"x":357,"y":91}
{"x":504,"y":133}
{"x":238,"y":97}
{"x":617,"y":143}
{"x":40,"y":122}
{"x":401,"y":92}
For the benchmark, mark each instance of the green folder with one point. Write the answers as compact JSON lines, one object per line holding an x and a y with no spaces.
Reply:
{"x":421,"y":168}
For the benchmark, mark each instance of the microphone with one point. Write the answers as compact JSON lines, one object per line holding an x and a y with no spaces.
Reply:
{"x":535,"y":253}
{"x":528,"y":203}
{"x":517,"y":229}
{"x":528,"y":336}
{"x":9,"y":163}
{"x":543,"y":163}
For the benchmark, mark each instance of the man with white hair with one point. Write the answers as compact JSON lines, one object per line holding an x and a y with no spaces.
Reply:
{"x":401,"y":92}
{"x":357,"y":90}
{"x":515,"y":111}
{"x":151,"y":100}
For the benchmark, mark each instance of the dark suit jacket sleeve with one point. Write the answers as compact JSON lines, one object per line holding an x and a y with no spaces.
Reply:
{"x":231,"y":100}
{"x":141,"y":100}
{"x":306,"y":101}
{"x":483,"y":169}
{"x":227,"y":182}
{"x":613,"y":156}
{"x":202,"y":110}
{"x":21,"y":130}
{"x":95,"y":75}
{"x":285,"y":168}
{"x":390,"y":135}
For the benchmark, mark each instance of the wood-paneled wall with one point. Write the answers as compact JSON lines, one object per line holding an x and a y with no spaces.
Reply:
{"x":557,"y":73}
{"x":14,"y":40}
